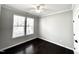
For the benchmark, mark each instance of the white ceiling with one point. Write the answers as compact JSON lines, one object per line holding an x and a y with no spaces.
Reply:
{"x":49,"y":8}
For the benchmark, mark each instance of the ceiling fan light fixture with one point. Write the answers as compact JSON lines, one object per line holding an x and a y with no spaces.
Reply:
{"x":38,"y":8}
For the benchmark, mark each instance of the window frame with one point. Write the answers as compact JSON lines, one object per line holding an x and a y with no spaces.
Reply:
{"x":18,"y":26}
{"x":25,"y":26}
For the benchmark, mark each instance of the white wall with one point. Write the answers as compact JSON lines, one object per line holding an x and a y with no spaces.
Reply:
{"x":58,"y":29}
{"x":6,"y":30}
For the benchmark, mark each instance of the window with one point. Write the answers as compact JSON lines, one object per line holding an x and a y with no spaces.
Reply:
{"x":29,"y":26}
{"x":22,"y":26}
{"x":18,"y":26}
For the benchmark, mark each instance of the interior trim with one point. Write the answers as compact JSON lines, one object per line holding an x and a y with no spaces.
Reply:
{"x":57,"y":12}
{"x":2,"y":50}
{"x":57,"y":43}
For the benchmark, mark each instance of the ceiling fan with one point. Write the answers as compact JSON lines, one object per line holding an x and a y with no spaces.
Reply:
{"x":38,"y":8}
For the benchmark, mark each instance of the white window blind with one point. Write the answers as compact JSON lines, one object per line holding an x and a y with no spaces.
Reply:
{"x":29,"y":26}
{"x":18,"y":26}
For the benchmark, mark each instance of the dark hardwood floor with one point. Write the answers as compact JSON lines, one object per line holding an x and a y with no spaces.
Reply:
{"x":37,"y":46}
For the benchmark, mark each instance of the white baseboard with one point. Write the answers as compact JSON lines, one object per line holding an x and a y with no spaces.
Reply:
{"x":56,"y":43}
{"x":2,"y":50}
{"x":32,"y":39}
